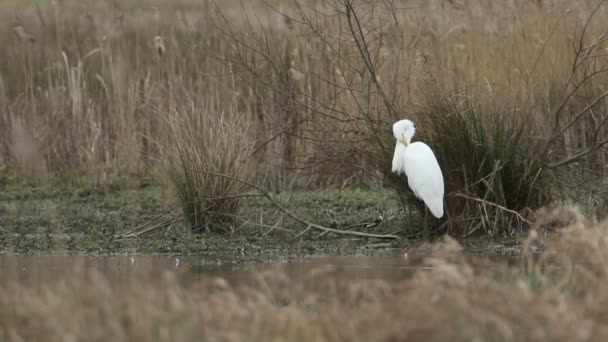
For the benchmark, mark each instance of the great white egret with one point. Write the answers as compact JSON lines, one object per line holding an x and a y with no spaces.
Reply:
{"x":418,"y":162}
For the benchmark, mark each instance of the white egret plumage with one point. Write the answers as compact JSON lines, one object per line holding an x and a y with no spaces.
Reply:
{"x":417,"y":161}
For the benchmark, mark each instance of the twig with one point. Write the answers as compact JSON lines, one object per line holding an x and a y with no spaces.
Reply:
{"x":518,"y":215}
{"x":163,"y":224}
{"x":303,"y":232}
{"x":297,"y":218}
{"x":364,"y":224}
{"x":578,"y":115}
{"x":276,"y":225}
{"x":231,"y":197}
{"x":142,"y":225}
{"x":578,"y":155}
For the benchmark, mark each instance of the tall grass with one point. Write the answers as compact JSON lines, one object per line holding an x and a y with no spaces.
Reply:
{"x":318,"y":83}
{"x":86,"y":89}
{"x":500,"y":136}
{"x":493,"y":166}
{"x":199,"y":145}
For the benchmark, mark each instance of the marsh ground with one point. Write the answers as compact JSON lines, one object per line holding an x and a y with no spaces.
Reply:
{"x":47,"y":219}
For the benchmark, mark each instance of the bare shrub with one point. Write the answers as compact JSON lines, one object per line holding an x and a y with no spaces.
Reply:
{"x":500,"y":147}
{"x":320,"y":84}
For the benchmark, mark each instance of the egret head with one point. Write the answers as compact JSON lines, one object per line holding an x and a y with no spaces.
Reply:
{"x":404,"y":130}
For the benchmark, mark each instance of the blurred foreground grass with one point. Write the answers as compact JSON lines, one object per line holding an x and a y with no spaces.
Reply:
{"x":556,"y":297}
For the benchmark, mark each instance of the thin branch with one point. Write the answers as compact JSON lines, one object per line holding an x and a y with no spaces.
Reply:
{"x":577,"y":60}
{"x":230,"y":197}
{"x":476,"y":199}
{"x":397,"y":32}
{"x":144,"y":225}
{"x":275,"y":226}
{"x":304,"y":231}
{"x":364,"y":51}
{"x":578,"y":155}
{"x":163,"y":224}
{"x":578,"y":115}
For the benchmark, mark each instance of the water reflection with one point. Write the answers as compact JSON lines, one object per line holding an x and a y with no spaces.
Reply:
{"x":43,"y":269}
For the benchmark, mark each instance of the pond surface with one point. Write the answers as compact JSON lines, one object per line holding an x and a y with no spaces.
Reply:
{"x":32,"y":270}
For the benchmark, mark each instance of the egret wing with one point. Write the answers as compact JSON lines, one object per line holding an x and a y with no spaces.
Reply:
{"x":424,"y":176}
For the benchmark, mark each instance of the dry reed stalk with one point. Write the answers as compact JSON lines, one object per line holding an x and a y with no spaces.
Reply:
{"x":300,"y":77}
{"x":198,"y":140}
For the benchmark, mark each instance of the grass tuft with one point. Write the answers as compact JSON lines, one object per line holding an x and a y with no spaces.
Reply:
{"x":199,"y":141}
{"x":491,"y":165}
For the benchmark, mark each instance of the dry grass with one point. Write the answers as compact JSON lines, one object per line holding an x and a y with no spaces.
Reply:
{"x":201,"y":141}
{"x":80,"y":85}
{"x":495,"y":167}
{"x":556,"y":297}
{"x":83,"y":80}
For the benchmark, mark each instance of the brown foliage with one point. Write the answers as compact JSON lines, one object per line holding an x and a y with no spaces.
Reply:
{"x":86,"y":87}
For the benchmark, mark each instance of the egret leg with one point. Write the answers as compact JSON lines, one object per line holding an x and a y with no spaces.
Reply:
{"x":426,"y":223}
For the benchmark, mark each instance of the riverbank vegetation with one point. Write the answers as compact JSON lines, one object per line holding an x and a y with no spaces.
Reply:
{"x":260,"y":131}
{"x":301,"y":94}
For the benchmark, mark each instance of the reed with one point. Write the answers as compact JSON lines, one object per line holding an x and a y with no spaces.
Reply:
{"x":200,"y":142}
{"x":319,"y":85}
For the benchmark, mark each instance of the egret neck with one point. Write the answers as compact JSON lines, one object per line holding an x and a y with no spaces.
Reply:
{"x":405,"y":141}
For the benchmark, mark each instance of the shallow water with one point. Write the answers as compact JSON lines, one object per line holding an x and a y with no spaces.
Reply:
{"x":31,"y":270}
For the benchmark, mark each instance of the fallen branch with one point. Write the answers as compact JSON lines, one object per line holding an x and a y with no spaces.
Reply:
{"x":149,"y":226}
{"x":275,"y":226}
{"x":143,"y":225}
{"x":297,"y":218}
{"x":303,"y":232}
{"x":365,"y":224}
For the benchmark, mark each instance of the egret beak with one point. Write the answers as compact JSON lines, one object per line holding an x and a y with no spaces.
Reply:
{"x":404,"y":141}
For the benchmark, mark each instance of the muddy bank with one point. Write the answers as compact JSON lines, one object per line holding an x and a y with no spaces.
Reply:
{"x":73,"y":220}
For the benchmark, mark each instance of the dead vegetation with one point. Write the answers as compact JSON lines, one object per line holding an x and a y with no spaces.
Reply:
{"x":511,"y":96}
{"x":557,"y":296}
{"x":198,"y":140}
